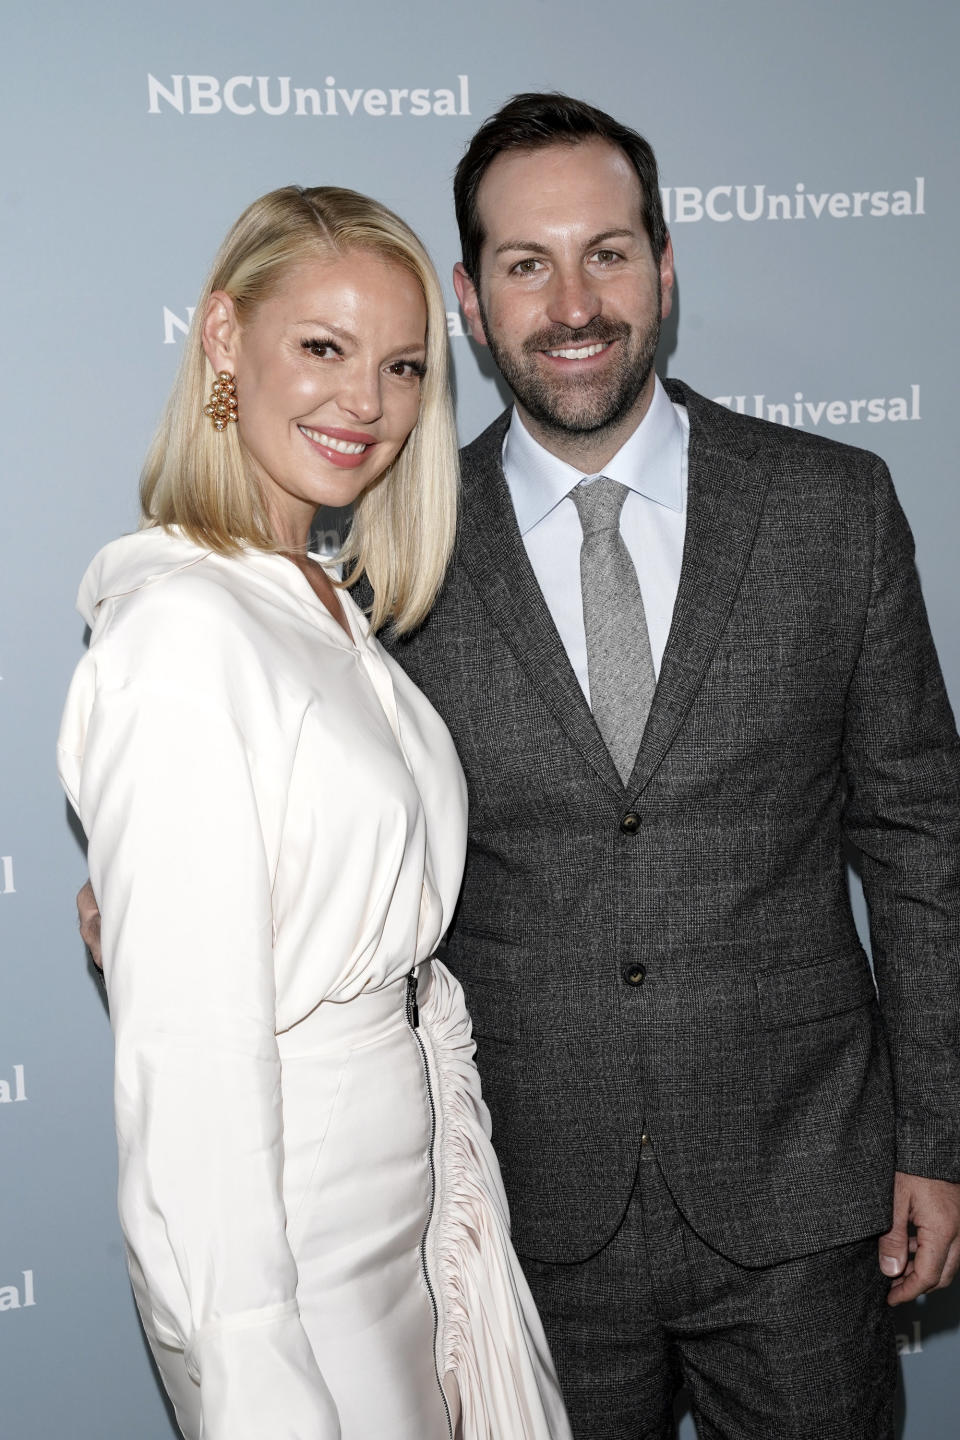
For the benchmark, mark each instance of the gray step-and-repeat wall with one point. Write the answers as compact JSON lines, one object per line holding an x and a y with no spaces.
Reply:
{"x":808,"y":159}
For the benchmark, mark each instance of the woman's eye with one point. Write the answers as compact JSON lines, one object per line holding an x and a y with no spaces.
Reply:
{"x":407,"y":369}
{"x":323,"y":349}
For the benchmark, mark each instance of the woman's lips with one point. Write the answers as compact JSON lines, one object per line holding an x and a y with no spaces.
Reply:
{"x":345,"y":448}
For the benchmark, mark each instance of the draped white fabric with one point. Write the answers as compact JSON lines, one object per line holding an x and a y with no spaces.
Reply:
{"x":276,"y":822}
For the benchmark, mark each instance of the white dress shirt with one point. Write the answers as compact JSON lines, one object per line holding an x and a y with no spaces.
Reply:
{"x":652,"y":464}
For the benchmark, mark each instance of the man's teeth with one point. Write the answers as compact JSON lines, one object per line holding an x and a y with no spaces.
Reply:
{"x":583,"y":353}
{"x":345,"y":447}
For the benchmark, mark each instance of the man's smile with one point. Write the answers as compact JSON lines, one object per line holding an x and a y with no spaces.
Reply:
{"x":584,"y":352}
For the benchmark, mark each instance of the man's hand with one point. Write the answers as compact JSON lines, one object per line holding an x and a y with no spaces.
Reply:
{"x":930,"y":1259}
{"x":89,"y":914}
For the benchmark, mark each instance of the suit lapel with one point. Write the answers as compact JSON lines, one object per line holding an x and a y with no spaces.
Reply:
{"x":492,"y":552}
{"x":724,"y":503}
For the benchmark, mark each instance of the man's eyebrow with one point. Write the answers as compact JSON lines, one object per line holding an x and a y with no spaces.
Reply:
{"x":530,"y":245}
{"x":533,"y":247}
{"x":624,"y":233}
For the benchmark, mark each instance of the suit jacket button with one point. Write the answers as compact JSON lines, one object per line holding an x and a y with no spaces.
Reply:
{"x":634,"y":974}
{"x":630,"y":823}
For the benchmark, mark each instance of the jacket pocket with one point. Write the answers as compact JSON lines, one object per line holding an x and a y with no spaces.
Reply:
{"x":492,"y":1009}
{"x":776,"y":653}
{"x":486,"y":966}
{"x":829,"y":986}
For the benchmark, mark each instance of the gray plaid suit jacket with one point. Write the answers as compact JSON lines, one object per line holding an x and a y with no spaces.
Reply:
{"x":800,"y":711}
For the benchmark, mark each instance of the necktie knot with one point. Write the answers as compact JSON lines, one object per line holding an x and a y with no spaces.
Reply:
{"x":599,"y":504}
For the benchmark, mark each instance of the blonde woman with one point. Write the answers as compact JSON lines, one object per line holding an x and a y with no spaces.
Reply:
{"x":316,"y":1229}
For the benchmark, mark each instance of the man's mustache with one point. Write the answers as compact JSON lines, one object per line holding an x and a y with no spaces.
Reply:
{"x":600,"y":331}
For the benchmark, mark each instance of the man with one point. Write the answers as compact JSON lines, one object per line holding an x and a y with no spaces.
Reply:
{"x":698,"y":1102}
{"x":677,"y":700}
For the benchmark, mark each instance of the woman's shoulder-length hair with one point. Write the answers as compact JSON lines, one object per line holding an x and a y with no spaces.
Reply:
{"x":200,"y":480}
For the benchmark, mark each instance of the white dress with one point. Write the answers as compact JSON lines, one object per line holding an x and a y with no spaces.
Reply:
{"x":316,"y":1227}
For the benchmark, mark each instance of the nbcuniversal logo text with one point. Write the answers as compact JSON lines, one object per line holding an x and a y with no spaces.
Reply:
{"x":274,"y":95}
{"x":685,"y":204}
{"x":910,"y":1342}
{"x":13,"y":1086}
{"x":801,"y":412}
{"x":20,"y":1296}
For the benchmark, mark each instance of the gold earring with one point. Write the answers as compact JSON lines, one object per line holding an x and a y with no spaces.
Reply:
{"x":223,"y":401}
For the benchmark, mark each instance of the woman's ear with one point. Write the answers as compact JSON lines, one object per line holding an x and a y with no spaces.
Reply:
{"x":220,"y":332}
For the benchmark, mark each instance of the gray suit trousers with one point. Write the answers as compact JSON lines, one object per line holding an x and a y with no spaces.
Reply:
{"x":803,"y":1350}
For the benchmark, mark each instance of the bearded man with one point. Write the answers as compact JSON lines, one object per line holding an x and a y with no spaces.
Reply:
{"x":685,"y":659}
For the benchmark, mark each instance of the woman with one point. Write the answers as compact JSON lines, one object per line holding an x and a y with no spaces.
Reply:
{"x":316,"y":1228}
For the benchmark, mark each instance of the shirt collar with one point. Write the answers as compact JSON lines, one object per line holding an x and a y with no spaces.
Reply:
{"x":650,"y":462}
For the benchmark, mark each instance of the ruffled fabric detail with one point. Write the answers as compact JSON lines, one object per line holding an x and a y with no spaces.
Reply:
{"x":490,"y":1334}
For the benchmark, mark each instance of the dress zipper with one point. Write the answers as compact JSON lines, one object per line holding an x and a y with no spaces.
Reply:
{"x":413,"y":1020}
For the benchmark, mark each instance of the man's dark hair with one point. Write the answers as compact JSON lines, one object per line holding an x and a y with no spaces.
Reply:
{"x":531,"y":122}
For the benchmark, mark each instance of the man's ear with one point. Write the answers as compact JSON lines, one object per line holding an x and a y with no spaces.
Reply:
{"x":469,"y":303}
{"x":666,"y":279}
{"x":220,"y":332}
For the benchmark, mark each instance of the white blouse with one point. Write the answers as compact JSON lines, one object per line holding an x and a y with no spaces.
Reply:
{"x":276,"y":817}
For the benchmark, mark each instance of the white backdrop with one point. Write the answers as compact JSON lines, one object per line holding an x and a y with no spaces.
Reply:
{"x":808,"y":159}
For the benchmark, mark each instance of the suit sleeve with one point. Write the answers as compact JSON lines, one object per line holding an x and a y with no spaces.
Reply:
{"x":178,"y":863}
{"x":902,"y":765}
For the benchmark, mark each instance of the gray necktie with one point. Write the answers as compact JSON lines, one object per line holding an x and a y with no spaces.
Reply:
{"x":619,"y":663}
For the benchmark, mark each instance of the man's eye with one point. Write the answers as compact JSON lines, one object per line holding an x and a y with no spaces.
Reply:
{"x":606,"y":257}
{"x":526,"y":267}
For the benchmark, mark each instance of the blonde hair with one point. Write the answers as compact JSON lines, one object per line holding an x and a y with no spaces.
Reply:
{"x":200,"y":480}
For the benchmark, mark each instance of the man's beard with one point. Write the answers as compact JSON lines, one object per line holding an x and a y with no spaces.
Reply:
{"x":579,"y":405}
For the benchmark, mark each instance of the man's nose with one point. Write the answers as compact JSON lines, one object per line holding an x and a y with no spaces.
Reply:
{"x":573,"y":300}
